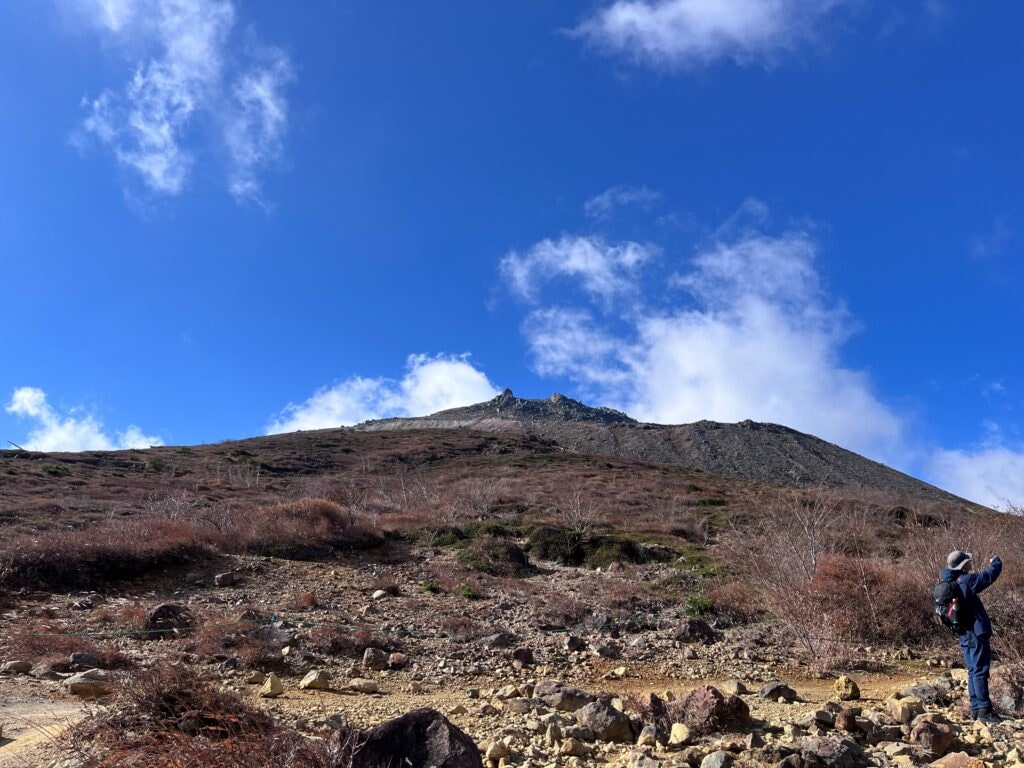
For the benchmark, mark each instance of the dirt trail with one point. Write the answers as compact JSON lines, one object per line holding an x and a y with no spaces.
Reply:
{"x":30,"y":727}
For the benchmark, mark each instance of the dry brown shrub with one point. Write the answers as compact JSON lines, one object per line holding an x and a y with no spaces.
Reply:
{"x":461,"y":627}
{"x":562,"y":609}
{"x":52,"y":642}
{"x":168,"y":718}
{"x":871,"y":601}
{"x":77,"y":559}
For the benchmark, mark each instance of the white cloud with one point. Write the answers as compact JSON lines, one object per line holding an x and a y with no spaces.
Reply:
{"x":193,"y":77}
{"x":688,"y":34}
{"x":991,"y":475}
{"x":74,"y":431}
{"x":756,"y":338}
{"x":603,"y":205}
{"x":255,"y":131}
{"x":604,"y":270}
{"x":430,"y":384}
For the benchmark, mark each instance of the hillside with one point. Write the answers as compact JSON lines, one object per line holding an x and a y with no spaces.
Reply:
{"x":764,"y":453}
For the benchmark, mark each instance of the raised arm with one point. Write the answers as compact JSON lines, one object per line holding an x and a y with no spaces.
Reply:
{"x":982,"y":580}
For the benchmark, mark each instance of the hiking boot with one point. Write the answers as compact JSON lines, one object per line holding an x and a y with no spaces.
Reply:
{"x":988,"y":717}
{"x":974,"y":714}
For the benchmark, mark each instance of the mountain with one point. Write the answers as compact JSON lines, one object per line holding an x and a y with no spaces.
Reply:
{"x":748,"y":450}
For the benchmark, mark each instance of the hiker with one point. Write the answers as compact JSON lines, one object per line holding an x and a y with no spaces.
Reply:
{"x":975,"y":629}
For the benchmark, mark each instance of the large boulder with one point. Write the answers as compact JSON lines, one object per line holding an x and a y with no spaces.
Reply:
{"x":694,"y":631}
{"x":606,"y":722}
{"x":833,"y":753}
{"x":168,"y":620}
{"x":1007,"y":691}
{"x":91,"y":684}
{"x":931,"y":692}
{"x":707,"y":709}
{"x":561,"y":697}
{"x":422,"y":738}
{"x":934,"y":735}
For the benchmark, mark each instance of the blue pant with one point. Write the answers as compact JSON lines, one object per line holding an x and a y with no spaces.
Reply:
{"x":978,"y":659}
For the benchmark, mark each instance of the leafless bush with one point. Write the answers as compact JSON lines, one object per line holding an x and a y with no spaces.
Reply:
{"x":577,"y":510}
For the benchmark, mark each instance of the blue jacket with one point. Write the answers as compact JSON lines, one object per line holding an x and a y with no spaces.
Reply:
{"x":972,"y":584}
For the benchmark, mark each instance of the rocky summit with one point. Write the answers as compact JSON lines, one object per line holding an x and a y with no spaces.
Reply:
{"x":748,"y":450}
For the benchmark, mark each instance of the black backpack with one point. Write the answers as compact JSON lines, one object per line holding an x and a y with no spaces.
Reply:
{"x":950,"y":610}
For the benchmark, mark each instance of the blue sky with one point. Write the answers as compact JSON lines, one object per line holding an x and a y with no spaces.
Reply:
{"x":220,"y":218}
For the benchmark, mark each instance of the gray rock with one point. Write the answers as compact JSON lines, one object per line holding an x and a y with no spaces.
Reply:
{"x":17,"y":667}
{"x":91,"y":684}
{"x":607,"y":723}
{"x":776,"y":690}
{"x":719,"y":759}
{"x":375,"y":659}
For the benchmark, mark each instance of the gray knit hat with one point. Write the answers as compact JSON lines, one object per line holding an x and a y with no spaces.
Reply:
{"x":958,"y":560}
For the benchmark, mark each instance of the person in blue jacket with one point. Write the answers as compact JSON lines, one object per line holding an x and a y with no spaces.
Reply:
{"x":975,"y":640}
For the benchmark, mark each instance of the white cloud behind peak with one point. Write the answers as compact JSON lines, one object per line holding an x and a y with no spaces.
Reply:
{"x":430,"y":384}
{"x":689,"y":34}
{"x":744,"y":331}
{"x":190,"y":77}
{"x":76,"y":430}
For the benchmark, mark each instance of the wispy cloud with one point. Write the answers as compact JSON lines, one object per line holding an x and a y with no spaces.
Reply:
{"x":195,"y":78}
{"x":76,"y":430}
{"x":430,"y":384}
{"x":748,"y":333}
{"x":689,"y":34}
{"x":605,"y":270}
{"x":992,"y":243}
{"x":602,"y":206}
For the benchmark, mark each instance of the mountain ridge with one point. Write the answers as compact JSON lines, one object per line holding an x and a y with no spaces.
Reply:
{"x":746,"y":450}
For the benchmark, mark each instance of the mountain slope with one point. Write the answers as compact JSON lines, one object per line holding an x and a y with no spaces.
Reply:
{"x":765,"y":453}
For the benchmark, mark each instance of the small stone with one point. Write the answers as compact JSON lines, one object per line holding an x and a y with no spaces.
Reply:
{"x":397,"y":661}
{"x":225,"y":579}
{"x":553,"y":735}
{"x":362,"y":685}
{"x":459,"y":709}
{"x":753,"y":741}
{"x":574,"y":748}
{"x":272,"y":687}
{"x":778,"y":692}
{"x":315,"y":680}
{"x":648,"y":737}
{"x":573,"y":643}
{"x":846,"y":689}
{"x":903,"y":709}
{"x":255,"y":678}
{"x":17,"y":667}
{"x":679,"y":735}
{"x":497,"y":750}
{"x":380,"y":594}
{"x":375,"y":659}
